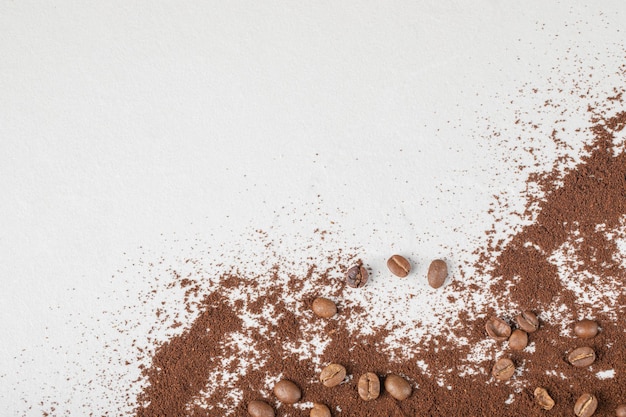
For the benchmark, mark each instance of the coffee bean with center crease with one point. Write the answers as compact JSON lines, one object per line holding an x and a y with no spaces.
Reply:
{"x":332,"y":375}
{"x":518,"y":340}
{"x":397,"y":387}
{"x":543,"y":399}
{"x":437,"y":273}
{"x":581,"y":357}
{"x":369,"y":386}
{"x":527,"y":321}
{"x":586,"y":405}
{"x":399,"y":266}
{"x":323,"y":307}
{"x":586,"y":329}
{"x":287,"y":392}
{"x":503,"y":369}
{"x":620,"y":411}
{"x":260,"y":409}
{"x":356,"y":276}
{"x":319,"y":410}
{"x":498,"y":329}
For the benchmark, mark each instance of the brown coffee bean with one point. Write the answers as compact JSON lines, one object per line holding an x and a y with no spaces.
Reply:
{"x":503,"y":369}
{"x":287,"y":392}
{"x":399,"y":266}
{"x":437,"y":273}
{"x":620,"y":411}
{"x":581,"y":357}
{"x":260,"y":409}
{"x":369,"y":386}
{"x":527,"y":321}
{"x":323,"y":307}
{"x":356,"y":276}
{"x":498,"y":329}
{"x":332,"y":375}
{"x":586,"y":405}
{"x":518,"y":340}
{"x":397,"y":387}
{"x":320,"y":410}
{"x":543,"y":399}
{"x":586,"y":329}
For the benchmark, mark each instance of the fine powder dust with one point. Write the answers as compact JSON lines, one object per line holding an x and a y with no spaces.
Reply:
{"x":565,"y":265}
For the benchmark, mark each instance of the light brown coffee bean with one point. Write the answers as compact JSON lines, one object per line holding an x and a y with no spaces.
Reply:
{"x":527,"y":321}
{"x":543,"y":399}
{"x":498,"y":329}
{"x":332,"y":375}
{"x":287,"y":392}
{"x":518,"y":340}
{"x":320,"y":410}
{"x":399,"y":266}
{"x":503,"y":369}
{"x":586,"y":329}
{"x":437,"y":273}
{"x":581,"y":357}
{"x":323,"y":307}
{"x":260,"y":409}
{"x":586,"y":405}
{"x":369,"y":386}
{"x":357,"y":276}
{"x":620,"y":411}
{"x":397,"y":387}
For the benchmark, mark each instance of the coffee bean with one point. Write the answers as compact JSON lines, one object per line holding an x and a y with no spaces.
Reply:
{"x":581,"y":357}
{"x":319,"y":410}
{"x":503,"y":369}
{"x":369,"y":386}
{"x":323,"y":307}
{"x":397,"y":387}
{"x":586,"y":405}
{"x":498,"y":329}
{"x":437,"y":273}
{"x":260,"y":409}
{"x":620,"y":411}
{"x":356,"y":276}
{"x":527,"y":321}
{"x":332,"y":375}
{"x":543,"y":399}
{"x":586,"y":329}
{"x":287,"y":392}
{"x":399,"y":266}
{"x":518,"y":340}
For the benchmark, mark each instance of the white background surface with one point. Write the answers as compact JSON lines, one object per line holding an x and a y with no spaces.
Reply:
{"x":123,"y":122}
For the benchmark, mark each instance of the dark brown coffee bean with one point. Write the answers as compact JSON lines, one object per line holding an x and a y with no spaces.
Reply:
{"x":399,"y":266}
{"x":543,"y":399}
{"x":323,"y":307}
{"x":260,"y":409}
{"x":319,"y":410}
{"x":586,"y":329}
{"x":586,"y":405}
{"x":498,"y":329}
{"x":527,"y":321}
{"x":369,"y":386}
{"x":503,"y":369}
{"x":581,"y":357}
{"x":332,"y":375}
{"x":356,"y":276}
{"x":437,"y":273}
{"x":397,"y":387}
{"x":620,"y":411}
{"x":518,"y":340}
{"x":287,"y":392}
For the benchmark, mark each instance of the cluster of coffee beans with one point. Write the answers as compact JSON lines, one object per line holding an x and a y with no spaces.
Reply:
{"x":357,"y":276}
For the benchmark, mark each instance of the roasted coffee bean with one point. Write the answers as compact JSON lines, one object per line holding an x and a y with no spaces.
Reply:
{"x":586,"y":329}
{"x":527,"y":321}
{"x":543,"y":399}
{"x":332,"y":375}
{"x":586,"y":405}
{"x":397,"y":387}
{"x":437,"y":273}
{"x":620,"y":411}
{"x":498,"y":329}
{"x":287,"y":392}
{"x":369,"y":386}
{"x":356,"y":276}
{"x":399,"y":266}
{"x":319,"y":410}
{"x":581,"y":357}
{"x":503,"y":369}
{"x":518,"y":340}
{"x":323,"y":307}
{"x":260,"y":409}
